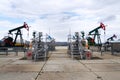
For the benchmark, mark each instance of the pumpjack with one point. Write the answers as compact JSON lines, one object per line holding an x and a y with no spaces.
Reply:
{"x":107,"y":44}
{"x":9,"y":41}
{"x":112,"y":38}
{"x":95,"y":33}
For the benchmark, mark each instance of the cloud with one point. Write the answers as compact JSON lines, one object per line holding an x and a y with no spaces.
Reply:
{"x":59,"y":16}
{"x":108,"y":18}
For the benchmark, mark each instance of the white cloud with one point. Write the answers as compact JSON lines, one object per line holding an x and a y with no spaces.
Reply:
{"x":61,"y":15}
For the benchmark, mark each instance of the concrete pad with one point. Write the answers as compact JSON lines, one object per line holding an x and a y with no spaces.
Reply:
{"x":64,"y":67}
{"x":54,"y":58}
{"x":67,"y":76}
{"x":53,"y":68}
{"x":97,"y":61}
{"x":109,"y":75}
{"x":60,"y":67}
{"x":18,"y":75}
{"x":21,"y":68}
{"x":2,"y":64}
{"x":28,"y":62}
{"x":116,"y":60}
{"x":75,"y":67}
{"x":5,"y":61}
{"x":103,"y":67}
{"x":8,"y":59}
{"x":61,"y":61}
{"x":59,"y":55}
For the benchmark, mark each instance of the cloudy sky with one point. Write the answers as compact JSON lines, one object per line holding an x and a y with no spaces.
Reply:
{"x":58,"y":17}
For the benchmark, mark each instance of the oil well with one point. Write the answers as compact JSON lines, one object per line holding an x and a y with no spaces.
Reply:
{"x":41,"y":45}
{"x":8,"y":44}
{"x":41,"y":59}
{"x":77,"y":46}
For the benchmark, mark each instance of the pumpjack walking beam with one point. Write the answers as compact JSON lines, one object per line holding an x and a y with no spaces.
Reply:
{"x":95,"y":32}
{"x":18,"y":29}
{"x":111,"y":38}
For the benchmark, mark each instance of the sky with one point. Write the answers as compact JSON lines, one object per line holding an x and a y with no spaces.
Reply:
{"x":58,"y":18}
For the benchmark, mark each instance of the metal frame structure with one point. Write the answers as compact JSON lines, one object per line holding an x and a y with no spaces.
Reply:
{"x":40,"y":48}
{"x":50,"y":43}
{"x":75,"y":47}
{"x":115,"y":47}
